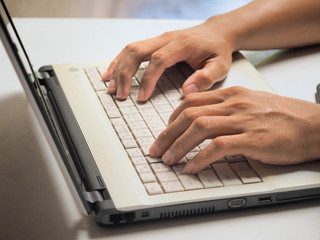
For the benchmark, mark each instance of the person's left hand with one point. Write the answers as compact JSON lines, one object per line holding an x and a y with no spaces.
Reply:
{"x":207,"y":48}
{"x":263,"y":126}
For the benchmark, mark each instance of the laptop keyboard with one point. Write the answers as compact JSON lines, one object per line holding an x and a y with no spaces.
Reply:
{"x":139,"y":124}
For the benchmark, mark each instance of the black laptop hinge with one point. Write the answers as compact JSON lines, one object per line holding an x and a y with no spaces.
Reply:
{"x":93,"y":196}
{"x":40,"y":76}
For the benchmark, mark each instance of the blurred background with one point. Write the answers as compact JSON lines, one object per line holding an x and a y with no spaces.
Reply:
{"x":168,"y":9}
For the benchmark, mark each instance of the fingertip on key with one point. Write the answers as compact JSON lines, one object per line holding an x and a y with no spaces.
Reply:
{"x":154,"y":150}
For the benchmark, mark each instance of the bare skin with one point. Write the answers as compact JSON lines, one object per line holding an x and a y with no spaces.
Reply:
{"x":269,"y":128}
{"x":260,"y":125}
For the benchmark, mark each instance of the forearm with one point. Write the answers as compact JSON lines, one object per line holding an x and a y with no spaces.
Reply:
{"x":267,"y":24}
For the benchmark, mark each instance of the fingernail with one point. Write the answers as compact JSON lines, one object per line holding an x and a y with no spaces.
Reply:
{"x":119,"y":92}
{"x":189,"y":168}
{"x":112,"y":86}
{"x":167,"y":157}
{"x":141,"y":95}
{"x":106,"y":75}
{"x":190,"y":89}
{"x":153,"y":150}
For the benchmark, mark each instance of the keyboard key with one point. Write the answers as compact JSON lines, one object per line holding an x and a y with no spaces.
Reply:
{"x":172,"y":186}
{"x":132,"y":117}
{"x":156,"y":133}
{"x":143,"y":168}
{"x":128,"y":110}
{"x":248,"y":176}
{"x":125,"y":136}
{"x":153,"y":160}
{"x":190,"y":182}
{"x":105,"y":97}
{"x":138,"y":160}
{"x":186,"y":70}
{"x":147,"y":177}
{"x":99,"y":86}
{"x":166,"y":176}
{"x":179,"y":169}
{"x":124,"y":103}
{"x":134,"y":152}
{"x":114,"y":113}
{"x":129,"y":143}
{"x":221,"y":160}
{"x":152,"y":119}
{"x":236,"y":158}
{"x":175,"y":76}
{"x":238,"y":166}
{"x":143,"y":132}
{"x":153,"y":188}
{"x":122,"y":129}
{"x":156,"y":126}
{"x":191,"y":155}
{"x":160,"y":167}
{"x":139,"y":74}
{"x":205,"y":143}
{"x":145,"y":112}
{"x":109,"y":106}
{"x":163,"y":108}
{"x":102,"y":70}
{"x":145,"y":141}
{"x":137,"y":125}
{"x":209,"y":179}
{"x":145,"y":150}
{"x":226,"y":174}
{"x":118,"y":122}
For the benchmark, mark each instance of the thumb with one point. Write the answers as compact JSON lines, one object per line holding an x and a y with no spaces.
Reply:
{"x":214,"y":71}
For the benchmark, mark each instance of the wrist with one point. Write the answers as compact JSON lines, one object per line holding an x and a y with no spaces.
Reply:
{"x":228,"y":27}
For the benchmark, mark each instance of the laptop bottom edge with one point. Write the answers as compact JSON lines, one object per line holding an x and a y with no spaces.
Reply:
{"x":107,"y":215}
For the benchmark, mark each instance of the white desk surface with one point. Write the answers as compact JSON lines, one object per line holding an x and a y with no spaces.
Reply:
{"x":35,"y":201}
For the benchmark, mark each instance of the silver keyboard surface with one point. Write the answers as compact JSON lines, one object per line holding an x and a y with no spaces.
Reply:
{"x":139,"y":124}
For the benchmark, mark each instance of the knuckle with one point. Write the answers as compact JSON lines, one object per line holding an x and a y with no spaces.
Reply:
{"x":205,"y":77}
{"x":224,"y":67}
{"x":221,"y":143}
{"x":190,"y":114}
{"x":201,"y":123}
{"x":168,"y":35}
{"x":158,"y":59}
{"x":232,"y":91}
{"x":135,"y":49}
{"x":237,"y":90}
{"x":132,"y":47}
{"x":241,"y":105}
{"x":190,"y":99}
{"x":184,"y":37}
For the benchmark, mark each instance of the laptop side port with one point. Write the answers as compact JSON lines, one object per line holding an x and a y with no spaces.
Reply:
{"x":116,"y":218}
{"x":129,"y":217}
{"x":265,"y":199}
{"x":237,"y":203}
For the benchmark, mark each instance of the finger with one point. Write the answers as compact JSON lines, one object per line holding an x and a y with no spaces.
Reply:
{"x":182,"y":123}
{"x":218,"y":148}
{"x":202,"y":128}
{"x":197,"y":99}
{"x":125,"y":65}
{"x":107,"y":74}
{"x":215,"y":69}
{"x":163,"y":58}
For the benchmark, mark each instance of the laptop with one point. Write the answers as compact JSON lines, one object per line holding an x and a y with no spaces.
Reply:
{"x":102,"y":144}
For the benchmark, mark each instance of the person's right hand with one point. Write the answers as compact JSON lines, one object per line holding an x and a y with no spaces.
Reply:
{"x":266,"y":127}
{"x":207,"y":48}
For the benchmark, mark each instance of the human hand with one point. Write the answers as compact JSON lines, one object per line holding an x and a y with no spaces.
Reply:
{"x":263,"y":126}
{"x":207,"y":48}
